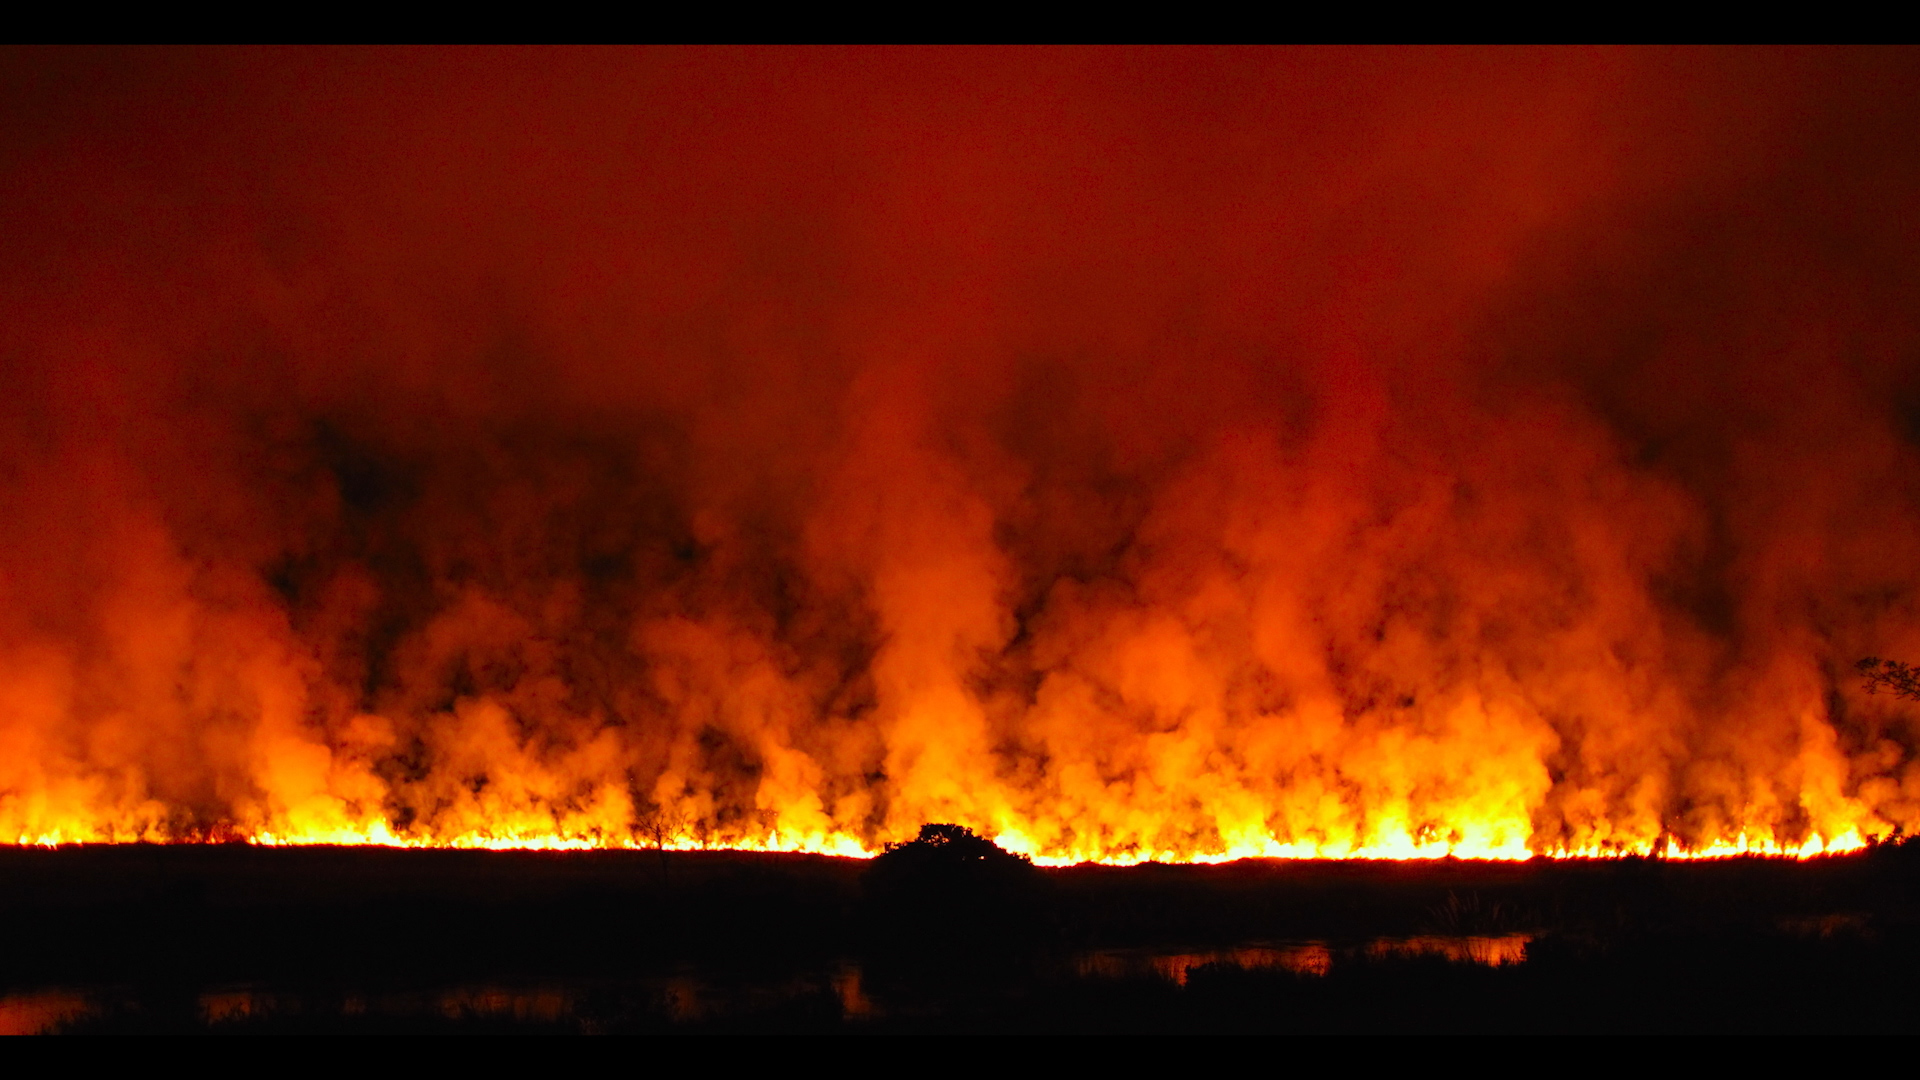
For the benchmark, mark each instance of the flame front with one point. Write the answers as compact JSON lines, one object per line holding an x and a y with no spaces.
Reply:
{"x":1168,"y":456}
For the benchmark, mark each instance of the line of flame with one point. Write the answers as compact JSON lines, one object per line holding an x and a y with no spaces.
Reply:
{"x":1400,"y":849}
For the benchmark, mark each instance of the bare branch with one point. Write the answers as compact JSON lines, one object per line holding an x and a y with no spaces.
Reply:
{"x":1900,"y":680}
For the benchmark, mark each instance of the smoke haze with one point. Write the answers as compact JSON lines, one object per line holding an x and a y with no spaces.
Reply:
{"x":1126,"y":454}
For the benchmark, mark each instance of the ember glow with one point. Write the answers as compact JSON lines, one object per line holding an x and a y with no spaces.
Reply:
{"x":1177,"y":455}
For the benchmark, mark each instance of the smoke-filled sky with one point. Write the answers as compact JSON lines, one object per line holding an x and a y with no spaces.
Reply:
{"x":1175,"y":453}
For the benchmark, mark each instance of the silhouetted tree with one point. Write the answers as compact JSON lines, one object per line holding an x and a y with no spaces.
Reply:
{"x":951,"y":891}
{"x":660,"y":825}
{"x":1901,"y":680}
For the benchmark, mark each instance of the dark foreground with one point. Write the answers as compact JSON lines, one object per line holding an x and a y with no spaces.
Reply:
{"x":241,"y":939}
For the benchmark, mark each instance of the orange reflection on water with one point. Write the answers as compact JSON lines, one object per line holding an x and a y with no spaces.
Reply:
{"x":39,"y":1012}
{"x":1492,"y":951}
{"x":1301,"y":958}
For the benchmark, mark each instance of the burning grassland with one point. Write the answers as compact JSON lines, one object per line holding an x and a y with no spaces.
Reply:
{"x":1174,"y":456}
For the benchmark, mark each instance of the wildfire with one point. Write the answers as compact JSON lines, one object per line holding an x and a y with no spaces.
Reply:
{"x":1400,"y":848}
{"x":1133,"y":457}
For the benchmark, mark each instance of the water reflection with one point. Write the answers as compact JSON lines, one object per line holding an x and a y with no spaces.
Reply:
{"x":1304,"y":958}
{"x":1299,"y":957}
{"x":1490,"y":951}
{"x":539,"y":1005}
{"x":854,"y":1004}
{"x":40,"y":1011}
{"x":690,"y":997}
{"x":49,"y":1011}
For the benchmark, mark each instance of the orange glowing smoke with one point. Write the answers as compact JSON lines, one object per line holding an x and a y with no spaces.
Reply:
{"x":1176,"y":455}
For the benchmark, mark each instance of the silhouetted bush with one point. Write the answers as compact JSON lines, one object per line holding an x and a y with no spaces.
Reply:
{"x":951,"y":892}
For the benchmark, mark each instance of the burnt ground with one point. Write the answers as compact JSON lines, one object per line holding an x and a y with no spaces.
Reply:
{"x":244,"y":939}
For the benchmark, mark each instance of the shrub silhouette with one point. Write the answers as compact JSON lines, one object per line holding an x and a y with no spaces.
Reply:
{"x":950,"y":890}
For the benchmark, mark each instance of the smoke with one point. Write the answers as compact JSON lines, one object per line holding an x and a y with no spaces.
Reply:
{"x":1125,"y":454}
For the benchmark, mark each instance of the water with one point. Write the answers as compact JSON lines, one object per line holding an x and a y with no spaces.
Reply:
{"x":690,"y":997}
{"x":1299,"y":957}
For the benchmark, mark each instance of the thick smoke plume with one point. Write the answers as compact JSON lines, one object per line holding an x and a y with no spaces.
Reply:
{"x":1124,"y":454}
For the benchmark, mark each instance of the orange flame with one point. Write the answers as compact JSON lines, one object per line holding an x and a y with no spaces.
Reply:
{"x":1170,"y":456}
